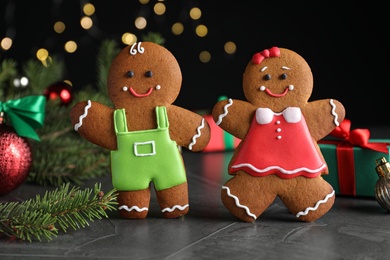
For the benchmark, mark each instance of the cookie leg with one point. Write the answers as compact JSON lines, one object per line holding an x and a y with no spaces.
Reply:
{"x":173,"y":201}
{"x":247,"y":197}
{"x":308,"y":198}
{"x":134,"y":204}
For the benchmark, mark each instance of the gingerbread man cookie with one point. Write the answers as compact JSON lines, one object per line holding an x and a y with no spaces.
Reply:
{"x":279,"y":129}
{"x":144,"y":130}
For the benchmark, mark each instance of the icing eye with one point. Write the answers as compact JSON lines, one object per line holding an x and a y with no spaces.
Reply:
{"x":130,"y":74}
{"x":149,"y":73}
{"x":283,"y":76}
{"x":267,"y":77}
{"x":125,"y":88}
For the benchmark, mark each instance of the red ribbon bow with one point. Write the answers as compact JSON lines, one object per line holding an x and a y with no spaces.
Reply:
{"x":358,"y":137}
{"x":260,"y":56}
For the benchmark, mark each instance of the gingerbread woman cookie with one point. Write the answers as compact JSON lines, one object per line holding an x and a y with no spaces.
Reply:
{"x":279,"y":129}
{"x":144,"y":130}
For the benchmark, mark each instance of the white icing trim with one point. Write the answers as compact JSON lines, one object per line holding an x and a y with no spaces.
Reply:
{"x":196,"y":135}
{"x":303,"y":213}
{"x":279,"y":168}
{"x":136,"y":144}
{"x":80,"y":123}
{"x":175,"y":207}
{"x":334,"y":113}
{"x":221,"y":116}
{"x":133,"y":208}
{"x":238,"y":202}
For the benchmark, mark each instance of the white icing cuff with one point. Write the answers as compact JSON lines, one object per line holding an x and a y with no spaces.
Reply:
{"x":238,"y":202}
{"x":197,"y":135}
{"x":133,"y":208}
{"x":80,"y":123}
{"x":304,"y":213}
{"x":335,"y":121}
{"x":221,"y":116}
{"x":175,"y":207}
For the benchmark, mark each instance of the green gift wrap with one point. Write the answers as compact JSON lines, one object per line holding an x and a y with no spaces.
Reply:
{"x":353,"y":174}
{"x":351,"y":159}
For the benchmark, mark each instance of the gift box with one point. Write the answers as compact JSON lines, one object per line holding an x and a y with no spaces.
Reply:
{"x":351,"y":159}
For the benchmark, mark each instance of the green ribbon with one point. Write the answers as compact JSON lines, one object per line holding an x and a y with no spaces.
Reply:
{"x":26,"y":114}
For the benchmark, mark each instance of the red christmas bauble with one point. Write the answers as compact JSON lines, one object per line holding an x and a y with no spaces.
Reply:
{"x":59,"y":90}
{"x":15,"y":159}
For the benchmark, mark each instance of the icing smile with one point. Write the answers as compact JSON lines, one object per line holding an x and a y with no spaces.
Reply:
{"x":134,"y":93}
{"x":269,"y":92}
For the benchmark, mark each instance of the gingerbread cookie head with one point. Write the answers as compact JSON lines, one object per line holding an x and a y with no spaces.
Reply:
{"x":144,"y":71}
{"x":277,"y":78}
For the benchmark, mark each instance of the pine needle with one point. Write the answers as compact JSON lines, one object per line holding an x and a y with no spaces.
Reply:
{"x":65,"y":207}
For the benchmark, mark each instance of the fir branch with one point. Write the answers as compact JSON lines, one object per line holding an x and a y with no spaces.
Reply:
{"x":63,"y":208}
{"x":41,"y":75}
{"x":8,"y":72}
{"x":62,"y":155}
{"x":153,"y":37}
{"x":107,"y":52}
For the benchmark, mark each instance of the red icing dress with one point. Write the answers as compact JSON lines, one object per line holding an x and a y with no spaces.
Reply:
{"x":278,"y":143}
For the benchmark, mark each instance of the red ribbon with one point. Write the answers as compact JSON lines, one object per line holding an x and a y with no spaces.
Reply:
{"x":257,"y":58}
{"x":345,"y":156}
{"x":357,"y":137}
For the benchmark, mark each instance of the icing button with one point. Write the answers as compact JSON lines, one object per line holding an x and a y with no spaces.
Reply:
{"x":279,"y":137}
{"x":278,"y":129}
{"x":277,"y":122}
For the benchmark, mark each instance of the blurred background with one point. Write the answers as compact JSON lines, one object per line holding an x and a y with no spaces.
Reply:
{"x":346,"y":46}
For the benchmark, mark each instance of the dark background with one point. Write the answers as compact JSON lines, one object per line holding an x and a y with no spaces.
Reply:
{"x":346,"y":45}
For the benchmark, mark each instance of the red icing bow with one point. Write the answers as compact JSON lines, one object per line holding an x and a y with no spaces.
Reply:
{"x":259,"y":57}
{"x":358,"y":137}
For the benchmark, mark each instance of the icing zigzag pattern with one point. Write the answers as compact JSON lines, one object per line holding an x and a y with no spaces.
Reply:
{"x":197,"y":135}
{"x":175,"y":207}
{"x":336,"y":122}
{"x":132,"y":208}
{"x":221,"y":116}
{"x":238,"y":202}
{"x":80,"y":123}
{"x":302,"y":213}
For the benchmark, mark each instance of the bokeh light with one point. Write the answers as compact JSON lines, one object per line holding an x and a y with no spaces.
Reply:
{"x":230,"y":47}
{"x":6,"y":43}
{"x":195,"y":13}
{"x":89,"y":9}
{"x":42,"y":54}
{"x":59,"y":27}
{"x":70,"y":46}
{"x":204,"y":56}
{"x":140,"y":23}
{"x":201,"y":30}
{"x":129,"y":38}
{"x":177,"y":28}
{"x":86,"y":22}
{"x":159,"y":8}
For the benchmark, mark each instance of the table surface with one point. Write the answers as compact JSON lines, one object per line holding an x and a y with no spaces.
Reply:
{"x":355,"y":228}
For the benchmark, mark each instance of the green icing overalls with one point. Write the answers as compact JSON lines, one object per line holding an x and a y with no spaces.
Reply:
{"x":145,"y":156}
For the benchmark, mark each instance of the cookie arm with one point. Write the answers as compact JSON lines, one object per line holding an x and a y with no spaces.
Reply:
{"x":234,"y":116}
{"x":94,"y":122}
{"x":322,"y":116}
{"x":188,"y":129}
